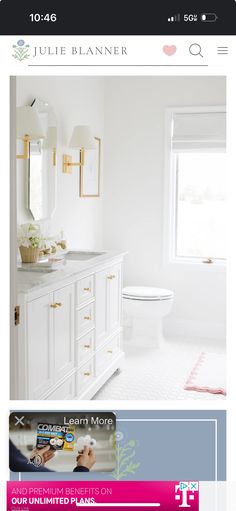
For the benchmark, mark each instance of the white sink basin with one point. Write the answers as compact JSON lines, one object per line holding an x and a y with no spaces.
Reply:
{"x":75,"y":255}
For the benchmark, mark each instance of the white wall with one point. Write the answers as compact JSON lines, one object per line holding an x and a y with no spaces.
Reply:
{"x":134,"y":193}
{"x":75,"y":101}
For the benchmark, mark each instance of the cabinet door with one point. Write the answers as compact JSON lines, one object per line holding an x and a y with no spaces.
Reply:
{"x":40,"y":353}
{"x":101,"y":307}
{"x":63,"y":330}
{"x":65,"y":391}
{"x":108,"y":302}
{"x":114,"y":279}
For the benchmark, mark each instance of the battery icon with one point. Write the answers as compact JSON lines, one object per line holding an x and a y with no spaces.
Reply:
{"x":209,"y":16}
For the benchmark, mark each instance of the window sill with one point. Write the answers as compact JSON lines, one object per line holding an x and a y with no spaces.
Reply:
{"x":195,"y":265}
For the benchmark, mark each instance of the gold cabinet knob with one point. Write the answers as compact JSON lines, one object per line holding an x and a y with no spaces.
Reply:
{"x":87,"y":346}
{"x":109,"y":351}
{"x":56,"y":305}
{"x":110,"y":277}
{"x":87,"y":374}
{"x":87,"y":289}
{"x":88,"y":318}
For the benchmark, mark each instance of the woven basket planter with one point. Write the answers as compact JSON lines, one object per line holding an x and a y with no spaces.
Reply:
{"x":29,"y":254}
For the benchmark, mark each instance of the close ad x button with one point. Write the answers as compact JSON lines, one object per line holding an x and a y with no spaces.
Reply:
{"x":19,"y":422}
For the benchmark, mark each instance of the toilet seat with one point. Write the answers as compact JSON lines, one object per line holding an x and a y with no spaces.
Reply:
{"x":146,"y":293}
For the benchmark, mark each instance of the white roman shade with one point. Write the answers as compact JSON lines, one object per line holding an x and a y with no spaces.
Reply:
{"x":195,"y":131}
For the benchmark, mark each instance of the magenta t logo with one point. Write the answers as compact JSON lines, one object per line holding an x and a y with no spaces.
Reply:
{"x":185,"y":493}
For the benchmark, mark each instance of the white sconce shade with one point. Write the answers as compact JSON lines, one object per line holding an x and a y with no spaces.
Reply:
{"x":50,"y":141}
{"x":28,"y":123}
{"x":82,"y":138}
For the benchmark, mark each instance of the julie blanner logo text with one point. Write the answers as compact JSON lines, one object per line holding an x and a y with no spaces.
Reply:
{"x":80,"y":51}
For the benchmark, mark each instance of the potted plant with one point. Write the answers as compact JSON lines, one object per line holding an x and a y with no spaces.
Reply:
{"x":30,"y":242}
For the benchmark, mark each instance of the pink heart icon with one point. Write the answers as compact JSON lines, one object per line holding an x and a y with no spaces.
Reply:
{"x":169,"y":50}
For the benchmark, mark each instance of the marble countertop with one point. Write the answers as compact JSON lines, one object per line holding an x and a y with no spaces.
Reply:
{"x":28,"y":281}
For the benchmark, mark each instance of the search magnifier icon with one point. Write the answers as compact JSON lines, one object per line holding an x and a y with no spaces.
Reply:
{"x":195,"y":49}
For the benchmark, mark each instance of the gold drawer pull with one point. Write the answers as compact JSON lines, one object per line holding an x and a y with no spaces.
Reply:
{"x":109,"y":351}
{"x":56,"y":305}
{"x":110,"y":277}
{"x":87,"y":346}
{"x":87,"y":317}
{"x":87,"y":374}
{"x":87,"y":289}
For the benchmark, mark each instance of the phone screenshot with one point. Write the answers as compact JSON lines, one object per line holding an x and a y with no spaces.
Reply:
{"x":117,"y":268}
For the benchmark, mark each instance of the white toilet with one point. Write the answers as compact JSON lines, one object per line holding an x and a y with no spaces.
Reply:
{"x":144,"y":308}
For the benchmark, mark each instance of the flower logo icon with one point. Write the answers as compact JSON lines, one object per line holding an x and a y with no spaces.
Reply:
{"x":21,"y":50}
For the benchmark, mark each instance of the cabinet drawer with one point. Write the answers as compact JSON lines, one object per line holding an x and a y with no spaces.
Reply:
{"x":84,"y":290}
{"x":65,"y":391}
{"x":85,"y":376}
{"x":106,"y":354}
{"x":85,"y":320}
{"x":84,"y":348}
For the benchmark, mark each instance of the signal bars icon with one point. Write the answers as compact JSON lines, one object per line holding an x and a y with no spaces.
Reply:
{"x":176,"y":17}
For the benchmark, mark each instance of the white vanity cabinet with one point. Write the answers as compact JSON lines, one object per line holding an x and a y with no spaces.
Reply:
{"x":69,"y":334}
{"x":50,"y":336}
{"x":39,"y":341}
{"x":97,"y":321}
{"x":63,"y":331}
{"x":108,"y":302}
{"x":114,"y":294}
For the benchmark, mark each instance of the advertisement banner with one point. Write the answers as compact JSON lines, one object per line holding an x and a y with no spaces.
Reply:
{"x":66,"y":496}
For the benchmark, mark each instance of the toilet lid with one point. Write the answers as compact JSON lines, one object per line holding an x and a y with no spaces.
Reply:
{"x":147,"y":293}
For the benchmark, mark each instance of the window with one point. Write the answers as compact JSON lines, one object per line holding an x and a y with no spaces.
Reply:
{"x":197,"y":187}
{"x":201,"y":205}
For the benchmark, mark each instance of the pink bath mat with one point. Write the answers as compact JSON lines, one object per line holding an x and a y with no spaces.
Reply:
{"x":208,"y":374}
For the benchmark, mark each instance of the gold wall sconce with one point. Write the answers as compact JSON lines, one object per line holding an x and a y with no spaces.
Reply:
{"x":50,"y":142}
{"x":28,"y":127}
{"x":81,"y":139}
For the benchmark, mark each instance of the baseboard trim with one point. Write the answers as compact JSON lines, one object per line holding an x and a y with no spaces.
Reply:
{"x":200,"y":329}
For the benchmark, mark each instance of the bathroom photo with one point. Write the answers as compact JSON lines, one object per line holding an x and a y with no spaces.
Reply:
{"x":118,"y":237}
